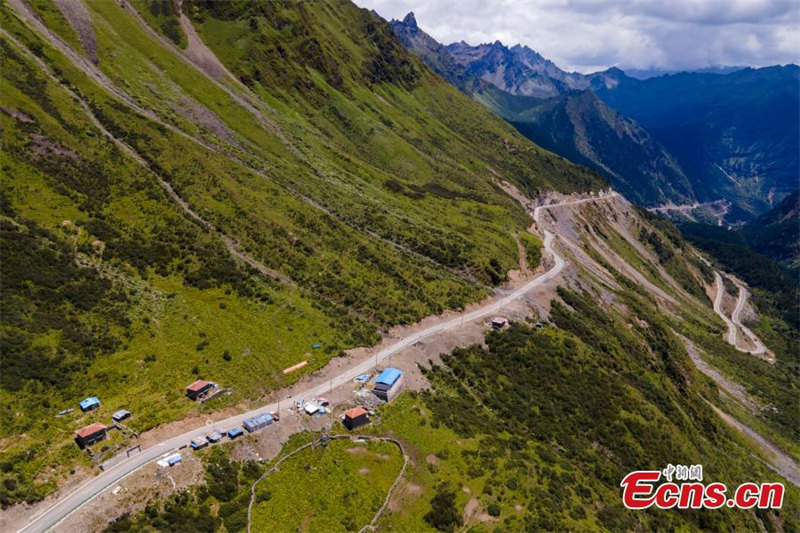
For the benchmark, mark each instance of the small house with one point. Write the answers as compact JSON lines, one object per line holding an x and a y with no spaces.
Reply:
{"x":174,"y":459}
{"x":311,"y":408}
{"x":354,"y":418}
{"x":198,"y":443}
{"x":121,"y":415}
{"x":199,"y":388}
{"x":499,"y":322}
{"x":215,"y":436}
{"x":388,"y":384}
{"x":234,"y":432}
{"x":257,"y":422}
{"x":90,"y":403}
{"x":88,"y":435}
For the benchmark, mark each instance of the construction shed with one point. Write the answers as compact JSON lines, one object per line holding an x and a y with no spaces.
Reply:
{"x":174,"y":459}
{"x":199,"y":388}
{"x":388,"y":384}
{"x":88,"y":435}
{"x":234,"y":432}
{"x":499,"y":322}
{"x":354,"y":418}
{"x":92,"y":402}
{"x":120,"y":415}
{"x":257,"y":422}
{"x":215,"y":436}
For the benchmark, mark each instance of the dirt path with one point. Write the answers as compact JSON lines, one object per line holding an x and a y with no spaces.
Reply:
{"x":230,"y":244}
{"x":777,"y":461}
{"x":275,"y":468}
{"x":68,"y":503}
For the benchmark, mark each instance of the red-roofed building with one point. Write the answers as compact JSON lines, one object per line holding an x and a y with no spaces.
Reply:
{"x":199,"y":388}
{"x":88,"y":435}
{"x":356,"y":417}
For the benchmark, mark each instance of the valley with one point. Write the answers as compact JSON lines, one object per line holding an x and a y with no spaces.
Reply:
{"x":211,"y":211}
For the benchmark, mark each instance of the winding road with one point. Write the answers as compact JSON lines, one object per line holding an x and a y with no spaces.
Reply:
{"x":734,"y":323}
{"x":69,"y":503}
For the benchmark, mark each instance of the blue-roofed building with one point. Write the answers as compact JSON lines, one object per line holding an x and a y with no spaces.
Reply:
{"x":388,"y":377}
{"x":388,"y":384}
{"x":257,"y":422}
{"x":174,"y":459}
{"x":92,"y":402}
{"x":234,"y":432}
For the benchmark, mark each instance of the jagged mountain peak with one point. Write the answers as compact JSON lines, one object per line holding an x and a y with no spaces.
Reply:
{"x":410,"y":20}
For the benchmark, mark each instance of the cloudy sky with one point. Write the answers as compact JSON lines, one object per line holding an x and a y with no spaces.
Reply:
{"x":631,"y":34}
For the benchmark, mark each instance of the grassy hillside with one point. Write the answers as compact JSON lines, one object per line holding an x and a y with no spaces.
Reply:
{"x":337,"y":163}
{"x":532,"y":431}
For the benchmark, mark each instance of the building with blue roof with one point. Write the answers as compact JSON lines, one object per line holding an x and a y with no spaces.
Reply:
{"x":257,"y":422}
{"x":92,"y":402}
{"x":388,"y":384}
{"x":388,"y":377}
{"x":234,"y":432}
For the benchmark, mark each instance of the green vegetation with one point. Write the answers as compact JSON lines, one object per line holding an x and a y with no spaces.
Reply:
{"x":163,"y":16}
{"x":373,"y":195}
{"x":219,"y":502}
{"x":542,"y":425}
{"x":338,"y":485}
{"x":776,"y":288}
{"x":533,"y":248}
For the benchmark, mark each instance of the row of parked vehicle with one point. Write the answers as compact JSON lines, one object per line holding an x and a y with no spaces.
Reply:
{"x":251,"y":424}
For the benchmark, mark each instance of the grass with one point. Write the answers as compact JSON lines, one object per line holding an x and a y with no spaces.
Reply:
{"x":409,"y":224}
{"x":336,"y":487}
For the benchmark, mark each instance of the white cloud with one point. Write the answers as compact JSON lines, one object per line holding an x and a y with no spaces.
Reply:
{"x":593,"y":35}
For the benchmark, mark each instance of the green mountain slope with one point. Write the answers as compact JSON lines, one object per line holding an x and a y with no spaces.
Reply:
{"x":556,"y":110}
{"x":182,"y":223}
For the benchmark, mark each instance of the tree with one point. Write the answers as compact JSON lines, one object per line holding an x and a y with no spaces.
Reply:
{"x":444,"y":515}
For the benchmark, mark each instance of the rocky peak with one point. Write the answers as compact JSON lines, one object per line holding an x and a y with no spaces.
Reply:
{"x":410,"y":21}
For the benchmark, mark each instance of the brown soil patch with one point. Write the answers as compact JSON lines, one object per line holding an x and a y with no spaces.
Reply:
{"x":19,"y":115}
{"x":78,"y":17}
{"x":405,"y":492}
{"x":43,"y":147}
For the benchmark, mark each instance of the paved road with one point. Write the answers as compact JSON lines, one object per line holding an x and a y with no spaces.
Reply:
{"x":732,"y":333}
{"x":91,"y":488}
{"x":734,"y":323}
{"x":760,"y":349}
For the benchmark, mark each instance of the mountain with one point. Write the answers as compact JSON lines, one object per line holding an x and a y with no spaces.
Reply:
{"x":558,"y":111}
{"x":643,"y":74}
{"x":776,"y":233}
{"x":215,"y":210}
{"x":581,"y":127}
{"x":735,"y":135}
{"x":276,"y":197}
{"x":729,"y":133}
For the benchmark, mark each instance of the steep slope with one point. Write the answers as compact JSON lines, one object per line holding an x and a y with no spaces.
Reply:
{"x":534,"y":427}
{"x":580,"y":127}
{"x":776,"y":233}
{"x":730,"y":135}
{"x":165,"y":220}
{"x":557,"y":111}
{"x":736,"y":135}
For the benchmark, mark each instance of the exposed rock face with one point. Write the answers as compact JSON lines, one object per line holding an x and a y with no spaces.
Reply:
{"x":680,"y":138}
